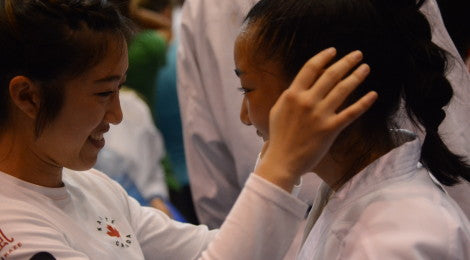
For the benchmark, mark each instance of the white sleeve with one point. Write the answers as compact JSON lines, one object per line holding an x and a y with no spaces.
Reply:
{"x":261,"y":225}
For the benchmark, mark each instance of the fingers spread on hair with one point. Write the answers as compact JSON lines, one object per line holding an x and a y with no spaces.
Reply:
{"x":341,"y":91}
{"x":312,"y":69}
{"x":334,"y":74}
{"x":352,"y":112}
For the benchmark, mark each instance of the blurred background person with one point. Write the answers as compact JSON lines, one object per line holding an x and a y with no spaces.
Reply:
{"x":168,"y":120}
{"x":148,"y":46}
{"x":151,"y":56}
{"x":133,"y":153}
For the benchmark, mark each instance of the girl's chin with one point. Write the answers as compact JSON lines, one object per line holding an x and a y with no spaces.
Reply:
{"x":261,"y":135}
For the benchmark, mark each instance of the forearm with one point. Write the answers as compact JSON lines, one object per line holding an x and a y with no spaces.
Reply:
{"x":261,"y":225}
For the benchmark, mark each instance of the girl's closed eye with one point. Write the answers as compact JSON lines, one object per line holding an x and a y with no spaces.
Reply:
{"x":244,"y":90}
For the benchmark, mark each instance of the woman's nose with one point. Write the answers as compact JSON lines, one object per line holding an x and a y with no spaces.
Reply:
{"x":114,"y":113}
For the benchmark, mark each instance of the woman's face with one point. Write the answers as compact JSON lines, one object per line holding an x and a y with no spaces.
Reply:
{"x":262,"y":82}
{"x":91,"y":103}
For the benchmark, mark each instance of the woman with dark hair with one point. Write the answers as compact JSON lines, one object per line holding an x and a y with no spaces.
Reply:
{"x":61,"y":66}
{"x":382,"y":195}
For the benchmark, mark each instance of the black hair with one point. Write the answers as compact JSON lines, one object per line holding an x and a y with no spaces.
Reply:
{"x":124,"y":7}
{"x":50,"y":41}
{"x":156,"y":5}
{"x":395,"y":38}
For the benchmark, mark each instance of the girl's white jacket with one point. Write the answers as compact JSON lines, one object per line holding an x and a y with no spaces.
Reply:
{"x":392,"y":209}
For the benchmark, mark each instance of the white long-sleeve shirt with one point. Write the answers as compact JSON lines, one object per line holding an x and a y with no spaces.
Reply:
{"x":92,"y":217}
{"x":392,"y":209}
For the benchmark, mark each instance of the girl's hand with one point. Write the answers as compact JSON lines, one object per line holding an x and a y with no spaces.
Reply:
{"x":305,"y":120}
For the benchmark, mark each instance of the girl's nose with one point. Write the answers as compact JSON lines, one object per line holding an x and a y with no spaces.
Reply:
{"x":244,"y":113}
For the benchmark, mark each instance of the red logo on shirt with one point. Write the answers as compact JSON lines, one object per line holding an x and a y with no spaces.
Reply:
{"x":6,"y":241}
{"x":109,"y":227}
{"x":112,"y":232}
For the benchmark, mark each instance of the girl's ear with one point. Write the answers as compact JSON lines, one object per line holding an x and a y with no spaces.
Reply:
{"x":25,"y":94}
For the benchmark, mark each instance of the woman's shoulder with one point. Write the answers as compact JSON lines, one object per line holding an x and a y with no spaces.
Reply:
{"x":91,"y":175}
{"x":94,"y":182}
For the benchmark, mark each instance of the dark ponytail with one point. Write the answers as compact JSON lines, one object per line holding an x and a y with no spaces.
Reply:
{"x":426,"y":92}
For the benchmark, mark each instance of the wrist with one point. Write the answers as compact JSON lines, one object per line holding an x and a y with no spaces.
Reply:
{"x":276,"y":174}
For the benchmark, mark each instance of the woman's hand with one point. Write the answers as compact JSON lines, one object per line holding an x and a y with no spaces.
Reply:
{"x":305,"y":120}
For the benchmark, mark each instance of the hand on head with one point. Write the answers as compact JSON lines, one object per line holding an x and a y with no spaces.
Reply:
{"x":305,"y":120}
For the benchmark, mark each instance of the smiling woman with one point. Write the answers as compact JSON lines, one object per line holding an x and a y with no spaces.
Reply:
{"x":65,"y":96}
{"x":91,"y":103}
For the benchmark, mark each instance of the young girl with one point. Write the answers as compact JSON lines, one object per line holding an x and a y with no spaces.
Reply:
{"x":61,"y":66}
{"x":382,"y":196}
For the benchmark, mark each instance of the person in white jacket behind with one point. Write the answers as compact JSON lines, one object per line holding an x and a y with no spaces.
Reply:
{"x":62,"y":63}
{"x":382,"y":194}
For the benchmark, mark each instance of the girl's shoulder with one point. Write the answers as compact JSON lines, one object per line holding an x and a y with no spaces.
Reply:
{"x":423,"y":221}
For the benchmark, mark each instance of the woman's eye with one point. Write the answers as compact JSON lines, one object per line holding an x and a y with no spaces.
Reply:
{"x":109,"y":93}
{"x":105,"y":94}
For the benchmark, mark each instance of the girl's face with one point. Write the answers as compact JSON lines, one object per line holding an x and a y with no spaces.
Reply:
{"x":91,"y":103}
{"x":262,"y":82}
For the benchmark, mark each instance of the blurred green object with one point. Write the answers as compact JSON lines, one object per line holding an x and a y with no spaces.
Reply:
{"x":170,"y":179}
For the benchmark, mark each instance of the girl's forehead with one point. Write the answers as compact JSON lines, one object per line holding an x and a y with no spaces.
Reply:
{"x":246,"y":45}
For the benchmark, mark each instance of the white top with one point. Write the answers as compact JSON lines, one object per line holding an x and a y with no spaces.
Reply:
{"x":136,"y":140}
{"x":92,"y":217}
{"x":220,"y":150}
{"x":392,"y":209}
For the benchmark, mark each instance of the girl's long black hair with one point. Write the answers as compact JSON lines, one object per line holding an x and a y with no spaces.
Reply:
{"x":395,"y":38}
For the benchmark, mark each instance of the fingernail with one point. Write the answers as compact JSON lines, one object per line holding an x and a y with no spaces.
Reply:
{"x":364,"y":69}
{"x":357,"y":55}
{"x":331,"y":51}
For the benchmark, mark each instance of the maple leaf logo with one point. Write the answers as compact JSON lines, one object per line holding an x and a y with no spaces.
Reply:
{"x":112,"y":232}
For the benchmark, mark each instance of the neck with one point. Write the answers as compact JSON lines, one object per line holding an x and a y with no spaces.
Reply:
{"x":19,"y":159}
{"x":337,"y":169}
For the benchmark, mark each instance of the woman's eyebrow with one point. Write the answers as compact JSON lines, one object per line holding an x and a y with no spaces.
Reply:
{"x":111,"y":78}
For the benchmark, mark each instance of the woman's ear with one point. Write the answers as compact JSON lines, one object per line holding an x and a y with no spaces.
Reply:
{"x":25,"y":94}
